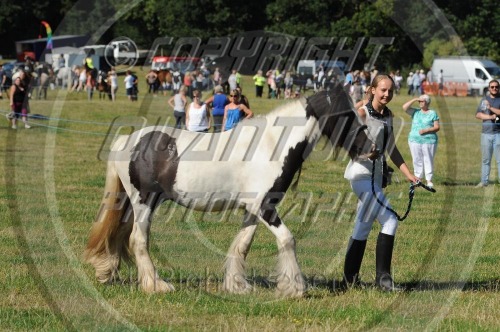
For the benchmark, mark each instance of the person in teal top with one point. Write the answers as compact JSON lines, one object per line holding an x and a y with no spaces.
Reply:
{"x":423,"y":137}
{"x":235,"y":111}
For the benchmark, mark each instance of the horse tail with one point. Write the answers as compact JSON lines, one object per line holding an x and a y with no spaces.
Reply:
{"x":108,"y":240}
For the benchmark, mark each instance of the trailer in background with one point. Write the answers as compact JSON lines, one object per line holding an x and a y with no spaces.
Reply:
{"x":35,"y":48}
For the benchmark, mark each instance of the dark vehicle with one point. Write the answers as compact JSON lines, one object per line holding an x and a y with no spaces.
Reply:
{"x":9,"y":69}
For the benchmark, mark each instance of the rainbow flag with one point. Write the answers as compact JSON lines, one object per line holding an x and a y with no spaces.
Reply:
{"x":49,"y":35}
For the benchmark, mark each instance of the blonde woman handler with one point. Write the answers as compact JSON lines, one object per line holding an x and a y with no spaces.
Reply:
{"x":378,"y":118}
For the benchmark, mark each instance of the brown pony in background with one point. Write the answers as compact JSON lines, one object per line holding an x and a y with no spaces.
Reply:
{"x":103,"y":86}
{"x":164,"y":80}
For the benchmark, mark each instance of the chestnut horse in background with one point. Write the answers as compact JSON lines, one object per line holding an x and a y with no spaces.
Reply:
{"x":164,"y":80}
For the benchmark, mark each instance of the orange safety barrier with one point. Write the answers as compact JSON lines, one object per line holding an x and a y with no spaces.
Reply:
{"x":461,"y":89}
{"x":427,"y":88}
{"x":430,"y":88}
{"x":458,"y":89}
{"x":449,"y":89}
{"x":446,"y":89}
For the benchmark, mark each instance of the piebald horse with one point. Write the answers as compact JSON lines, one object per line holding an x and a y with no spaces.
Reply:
{"x":250,"y":167}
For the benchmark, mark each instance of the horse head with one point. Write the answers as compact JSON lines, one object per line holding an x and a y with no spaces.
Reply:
{"x":340,"y":122}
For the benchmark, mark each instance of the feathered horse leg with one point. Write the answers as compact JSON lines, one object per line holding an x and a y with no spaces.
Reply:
{"x":149,"y":280}
{"x":289,"y":278}
{"x":235,"y":274}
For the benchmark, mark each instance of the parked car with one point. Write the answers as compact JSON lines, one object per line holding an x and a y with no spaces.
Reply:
{"x":9,"y":69}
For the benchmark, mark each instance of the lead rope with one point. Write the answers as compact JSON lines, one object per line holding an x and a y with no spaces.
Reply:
{"x":411,"y":194}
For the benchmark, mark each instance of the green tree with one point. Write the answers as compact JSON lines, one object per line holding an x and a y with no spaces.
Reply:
{"x":22,"y":20}
{"x":303,"y":18}
{"x":420,"y":28}
{"x":475,"y":33}
{"x":442,"y":47}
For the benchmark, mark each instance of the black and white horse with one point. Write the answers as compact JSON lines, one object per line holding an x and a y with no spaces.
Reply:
{"x":103,"y":86}
{"x":250,"y":167}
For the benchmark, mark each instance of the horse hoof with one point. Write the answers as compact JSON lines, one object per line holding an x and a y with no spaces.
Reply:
{"x":290,"y":292}
{"x":238,"y":289}
{"x":157,"y":286}
{"x":240,"y":286}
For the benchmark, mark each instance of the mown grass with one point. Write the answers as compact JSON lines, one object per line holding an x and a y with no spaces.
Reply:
{"x":446,"y":251}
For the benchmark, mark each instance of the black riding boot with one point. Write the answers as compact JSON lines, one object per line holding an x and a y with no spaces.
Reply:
{"x":352,"y":264}
{"x":385,"y":245}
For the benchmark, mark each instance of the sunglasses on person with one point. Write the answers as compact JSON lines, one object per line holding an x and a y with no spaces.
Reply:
{"x":494,"y":87}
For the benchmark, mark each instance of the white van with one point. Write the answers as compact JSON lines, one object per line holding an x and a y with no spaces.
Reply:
{"x":476,"y":72}
{"x":306,"y":69}
{"x":309,"y":67}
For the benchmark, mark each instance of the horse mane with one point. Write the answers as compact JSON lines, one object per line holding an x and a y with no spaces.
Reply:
{"x":333,"y":109}
{"x":337,"y":118}
{"x":282,"y":108}
{"x":335,"y":113}
{"x":322,"y":104}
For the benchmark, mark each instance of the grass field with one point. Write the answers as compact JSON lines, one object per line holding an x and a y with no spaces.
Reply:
{"x":446,"y":252}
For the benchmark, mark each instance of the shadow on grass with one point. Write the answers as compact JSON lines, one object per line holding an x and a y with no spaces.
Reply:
{"x":460,"y":183}
{"x":425,"y":285}
{"x":335,"y":286}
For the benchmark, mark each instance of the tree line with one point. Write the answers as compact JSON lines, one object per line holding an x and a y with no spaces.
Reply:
{"x":420,"y":29}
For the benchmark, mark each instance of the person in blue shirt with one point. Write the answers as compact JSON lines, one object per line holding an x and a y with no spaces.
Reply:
{"x":234,"y":110}
{"x":217,"y":102}
{"x":416,"y":81}
{"x":423,"y":137}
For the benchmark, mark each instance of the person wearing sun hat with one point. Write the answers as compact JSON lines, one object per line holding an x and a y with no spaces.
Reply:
{"x":423,"y":137}
{"x":18,"y":100}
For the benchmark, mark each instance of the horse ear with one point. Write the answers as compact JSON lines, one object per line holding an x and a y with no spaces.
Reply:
{"x":337,"y":90}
